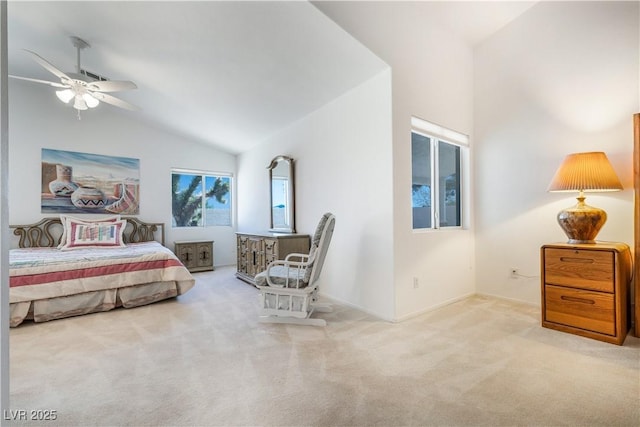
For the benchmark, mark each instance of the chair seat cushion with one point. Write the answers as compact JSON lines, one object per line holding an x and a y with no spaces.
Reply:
{"x":278,"y":276}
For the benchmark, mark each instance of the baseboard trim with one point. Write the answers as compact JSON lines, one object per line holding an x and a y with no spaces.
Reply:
{"x":357,"y":307}
{"x":428,"y":309}
{"x":432,"y":308}
{"x":518,"y":301}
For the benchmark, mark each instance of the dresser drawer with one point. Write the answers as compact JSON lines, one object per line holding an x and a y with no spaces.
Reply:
{"x":592,"y":311}
{"x":577,"y":268}
{"x":270,"y":250}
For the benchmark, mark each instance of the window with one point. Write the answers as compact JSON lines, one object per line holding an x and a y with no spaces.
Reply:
{"x":200,"y":199}
{"x":437,"y":159}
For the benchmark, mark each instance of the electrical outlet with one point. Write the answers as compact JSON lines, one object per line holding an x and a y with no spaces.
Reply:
{"x":416,"y":285}
{"x":514,"y":272}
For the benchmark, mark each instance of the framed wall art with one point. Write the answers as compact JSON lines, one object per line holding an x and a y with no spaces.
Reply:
{"x":75,"y":182}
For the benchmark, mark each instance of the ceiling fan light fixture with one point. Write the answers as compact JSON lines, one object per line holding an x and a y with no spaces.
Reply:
{"x":65,"y":95}
{"x":90,"y":100}
{"x":79,"y":103}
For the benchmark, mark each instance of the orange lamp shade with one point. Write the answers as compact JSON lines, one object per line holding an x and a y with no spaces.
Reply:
{"x":584,"y":172}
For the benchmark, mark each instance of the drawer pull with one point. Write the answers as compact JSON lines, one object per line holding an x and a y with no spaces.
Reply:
{"x":582,"y":260}
{"x":575,"y":299}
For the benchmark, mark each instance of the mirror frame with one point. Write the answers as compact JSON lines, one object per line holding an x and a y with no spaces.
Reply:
{"x":291,"y":205}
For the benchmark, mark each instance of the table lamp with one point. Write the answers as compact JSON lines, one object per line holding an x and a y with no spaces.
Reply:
{"x":584,"y":172}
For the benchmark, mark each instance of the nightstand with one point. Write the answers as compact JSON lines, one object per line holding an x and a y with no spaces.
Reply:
{"x":585,"y":289}
{"x":196,"y":255}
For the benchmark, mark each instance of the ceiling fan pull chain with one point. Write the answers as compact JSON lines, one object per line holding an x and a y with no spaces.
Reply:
{"x":79,"y":118}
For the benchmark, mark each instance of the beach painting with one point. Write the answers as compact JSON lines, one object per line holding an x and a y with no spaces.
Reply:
{"x":74,"y":182}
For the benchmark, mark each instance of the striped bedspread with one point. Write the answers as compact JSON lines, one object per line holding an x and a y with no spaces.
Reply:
{"x":38,"y":273}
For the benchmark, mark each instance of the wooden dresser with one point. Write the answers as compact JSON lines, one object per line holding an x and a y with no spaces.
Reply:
{"x":196,"y":255}
{"x":257,"y":250}
{"x":585,"y":289}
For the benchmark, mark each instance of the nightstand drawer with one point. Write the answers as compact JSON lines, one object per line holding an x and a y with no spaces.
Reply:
{"x":584,"y":269}
{"x":592,"y":311}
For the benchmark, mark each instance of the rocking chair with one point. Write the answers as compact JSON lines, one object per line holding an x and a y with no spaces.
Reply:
{"x":288,"y":288}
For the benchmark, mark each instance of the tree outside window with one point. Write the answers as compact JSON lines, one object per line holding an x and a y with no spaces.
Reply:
{"x":200,"y":200}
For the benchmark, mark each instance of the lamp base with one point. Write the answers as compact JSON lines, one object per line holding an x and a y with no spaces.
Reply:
{"x":581,"y":223}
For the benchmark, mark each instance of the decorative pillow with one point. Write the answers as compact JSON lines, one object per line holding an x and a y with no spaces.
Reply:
{"x":94,"y":234}
{"x":63,"y":220}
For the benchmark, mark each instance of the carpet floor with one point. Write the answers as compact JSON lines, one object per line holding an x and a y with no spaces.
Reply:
{"x":203,"y":359}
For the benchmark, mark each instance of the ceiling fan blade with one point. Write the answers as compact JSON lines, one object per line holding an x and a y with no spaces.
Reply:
{"x":114,"y":101}
{"x":54,"y":84}
{"x":48,"y":66}
{"x":111,"y":85}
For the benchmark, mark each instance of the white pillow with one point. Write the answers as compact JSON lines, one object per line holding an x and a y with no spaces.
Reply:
{"x":82,"y":235}
{"x":63,"y":220}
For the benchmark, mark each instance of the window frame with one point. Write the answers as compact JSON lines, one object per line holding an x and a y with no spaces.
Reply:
{"x":205,"y":174}
{"x":437,"y":134}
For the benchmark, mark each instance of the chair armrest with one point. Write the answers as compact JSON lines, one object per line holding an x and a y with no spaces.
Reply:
{"x":285,"y":263}
{"x":301,"y":268}
{"x":303,"y":257}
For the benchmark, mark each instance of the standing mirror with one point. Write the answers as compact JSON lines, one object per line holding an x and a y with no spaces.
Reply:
{"x":282,"y":194}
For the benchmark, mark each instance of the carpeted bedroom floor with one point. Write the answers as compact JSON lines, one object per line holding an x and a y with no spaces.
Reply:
{"x":203,"y":360}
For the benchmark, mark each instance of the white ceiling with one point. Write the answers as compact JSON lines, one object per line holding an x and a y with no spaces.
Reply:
{"x":476,"y":20}
{"x":224,"y":73}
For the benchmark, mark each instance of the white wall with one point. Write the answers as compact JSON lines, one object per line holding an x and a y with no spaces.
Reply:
{"x":433,"y":80}
{"x":562,"y":78}
{"x":342,"y":158}
{"x":433,"y":77}
{"x":37,"y":119}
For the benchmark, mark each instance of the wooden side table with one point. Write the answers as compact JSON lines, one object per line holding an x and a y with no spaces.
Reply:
{"x":585,"y":289}
{"x":196,"y":255}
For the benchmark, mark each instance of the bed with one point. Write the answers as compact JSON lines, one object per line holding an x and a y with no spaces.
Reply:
{"x":51,"y":278}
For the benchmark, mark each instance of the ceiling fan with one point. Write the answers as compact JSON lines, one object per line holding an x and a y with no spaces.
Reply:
{"x":85,"y":89}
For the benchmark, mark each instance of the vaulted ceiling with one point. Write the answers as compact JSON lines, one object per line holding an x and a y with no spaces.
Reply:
{"x":228,"y":74}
